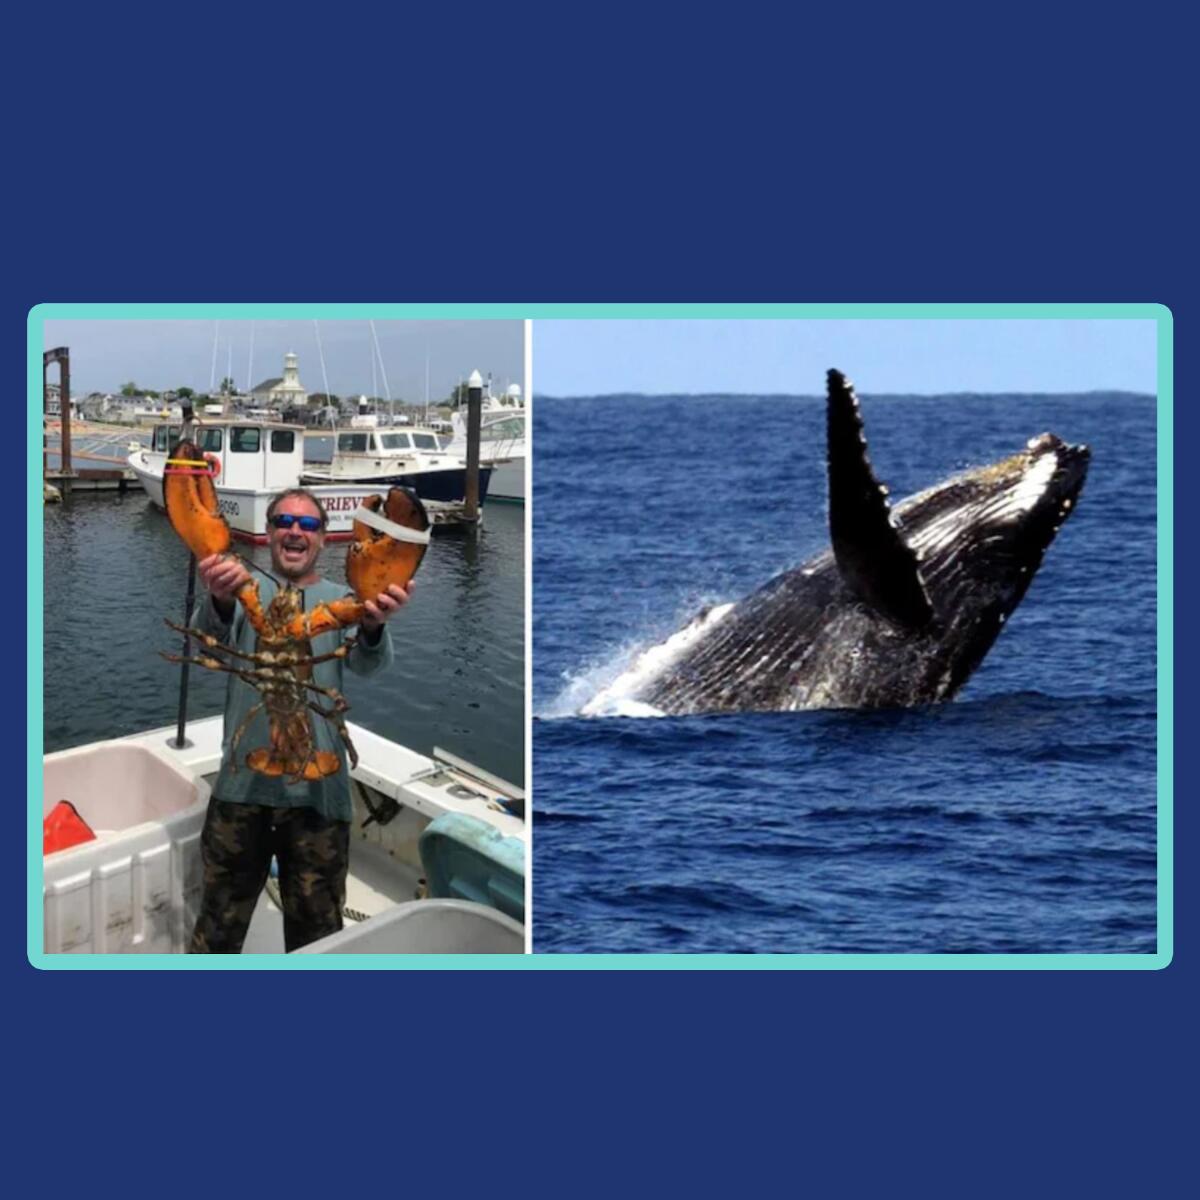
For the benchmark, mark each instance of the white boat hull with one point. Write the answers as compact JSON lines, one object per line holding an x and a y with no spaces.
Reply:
{"x":508,"y":480}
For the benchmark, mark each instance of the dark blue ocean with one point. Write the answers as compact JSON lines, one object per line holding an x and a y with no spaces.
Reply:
{"x":1018,"y":818}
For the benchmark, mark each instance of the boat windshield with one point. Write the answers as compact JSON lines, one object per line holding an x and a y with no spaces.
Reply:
{"x":503,"y":430}
{"x":396,"y":441}
{"x":352,"y":443}
{"x":166,"y":436}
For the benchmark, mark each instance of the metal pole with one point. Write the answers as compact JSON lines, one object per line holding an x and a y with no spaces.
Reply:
{"x":180,"y":742}
{"x":474,"y":421}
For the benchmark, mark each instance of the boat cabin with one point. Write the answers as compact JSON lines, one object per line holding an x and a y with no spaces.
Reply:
{"x":254,"y":455}
{"x":380,"y":442}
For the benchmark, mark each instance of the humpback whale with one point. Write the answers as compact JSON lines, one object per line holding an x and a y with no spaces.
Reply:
{"x":898,"y":611}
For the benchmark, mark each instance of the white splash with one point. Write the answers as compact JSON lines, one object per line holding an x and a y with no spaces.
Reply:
{"x":579,"y":688}
{"x":620,"y":707}
{"x":614,"y":698}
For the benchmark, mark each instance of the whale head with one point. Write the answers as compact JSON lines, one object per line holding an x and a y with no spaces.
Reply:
{"x":979,"y":537}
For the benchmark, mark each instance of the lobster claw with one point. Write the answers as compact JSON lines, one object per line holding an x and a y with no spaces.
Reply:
{"x":376,"y":557}
{"x":191,"y":502}
{"x":382,"y":553}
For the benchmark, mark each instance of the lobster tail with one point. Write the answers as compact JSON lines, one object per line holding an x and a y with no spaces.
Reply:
{"x":191,"y":502}
{"x":311,"y":765}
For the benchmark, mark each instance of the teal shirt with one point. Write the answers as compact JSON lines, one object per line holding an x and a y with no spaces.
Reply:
{"x":236,"y":782}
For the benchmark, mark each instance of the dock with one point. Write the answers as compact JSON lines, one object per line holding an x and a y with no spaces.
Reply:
{"x":66,"y":443}
{"x":451,"y":514}
{"x":93,"y":479}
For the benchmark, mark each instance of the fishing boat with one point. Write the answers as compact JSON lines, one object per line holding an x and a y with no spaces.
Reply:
{"x":411,"y":457}
{"x":255,"y":460}
{"x":501,"y":442}
{"x":437,"y":860}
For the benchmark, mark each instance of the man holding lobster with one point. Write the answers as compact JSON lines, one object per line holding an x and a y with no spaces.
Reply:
{"x":295,"y":809}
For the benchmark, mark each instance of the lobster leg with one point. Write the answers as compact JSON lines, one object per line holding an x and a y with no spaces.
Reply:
{"x":309,"y":760}
{"x":335,"y":715}
{"x":340,"y":704}
{"x":252,"y":606}
{"x":253,"y":678}
{"x":325,"y":618}
{"x":241,"y":729}
{"x":207,"y":640}
{"x":340,"y":652}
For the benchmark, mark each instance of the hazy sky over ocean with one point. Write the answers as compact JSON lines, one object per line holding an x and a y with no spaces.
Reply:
{"x":169,"y":354}
{"x":580,"y":358}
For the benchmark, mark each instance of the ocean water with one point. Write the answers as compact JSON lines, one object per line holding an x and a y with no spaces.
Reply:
{"x":1018,"y":818}
{"x":114,"y":568}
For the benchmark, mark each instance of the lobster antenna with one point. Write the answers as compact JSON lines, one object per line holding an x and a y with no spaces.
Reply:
{"x":255,"y":567}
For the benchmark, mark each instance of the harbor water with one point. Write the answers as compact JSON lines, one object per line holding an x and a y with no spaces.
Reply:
{"x":114,"y":568}
{"x":1021,"y":817}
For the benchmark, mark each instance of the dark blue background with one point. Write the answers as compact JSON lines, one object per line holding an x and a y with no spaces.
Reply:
{"x":608,"y":155}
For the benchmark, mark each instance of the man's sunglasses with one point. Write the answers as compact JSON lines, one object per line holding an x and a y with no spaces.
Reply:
{"x":287,"y":520}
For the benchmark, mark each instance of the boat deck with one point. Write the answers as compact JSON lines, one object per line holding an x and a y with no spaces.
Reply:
{"x":141,"y":893}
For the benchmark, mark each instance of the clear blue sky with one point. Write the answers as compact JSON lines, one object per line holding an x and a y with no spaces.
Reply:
{"x":169,"y":354}
{"x":579,"y":358}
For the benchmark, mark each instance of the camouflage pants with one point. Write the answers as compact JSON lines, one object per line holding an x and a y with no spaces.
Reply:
{"x":236,"y":848}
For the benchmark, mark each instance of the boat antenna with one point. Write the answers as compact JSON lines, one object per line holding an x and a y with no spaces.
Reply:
{"x":321,"y":356}
{"x":382,"y":369}
{"x":212,"y":379}
{"x":374,"y":384}
{"x":250,"y":364}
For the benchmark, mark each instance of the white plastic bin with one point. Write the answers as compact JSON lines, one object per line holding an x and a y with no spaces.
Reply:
{"x":136,"y":888}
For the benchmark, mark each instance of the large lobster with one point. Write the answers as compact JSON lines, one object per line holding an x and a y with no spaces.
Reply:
{"x":281,"y":666}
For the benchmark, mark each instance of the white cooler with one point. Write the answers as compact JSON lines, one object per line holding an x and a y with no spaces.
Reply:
{"x":136,"y":888}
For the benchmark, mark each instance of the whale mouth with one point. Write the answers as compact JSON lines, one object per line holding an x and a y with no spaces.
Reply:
{"x":1058,"y":469}
{"x":1051,"y":443}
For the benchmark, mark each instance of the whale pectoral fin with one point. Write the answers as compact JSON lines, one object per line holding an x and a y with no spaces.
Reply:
{"x":878,"y":566}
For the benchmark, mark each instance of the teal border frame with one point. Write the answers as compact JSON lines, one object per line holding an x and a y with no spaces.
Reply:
{"x":1158,"y":313}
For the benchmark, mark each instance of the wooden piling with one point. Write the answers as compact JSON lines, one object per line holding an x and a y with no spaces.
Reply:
{"x":474,"y":424}
{"x":62,"y":356}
